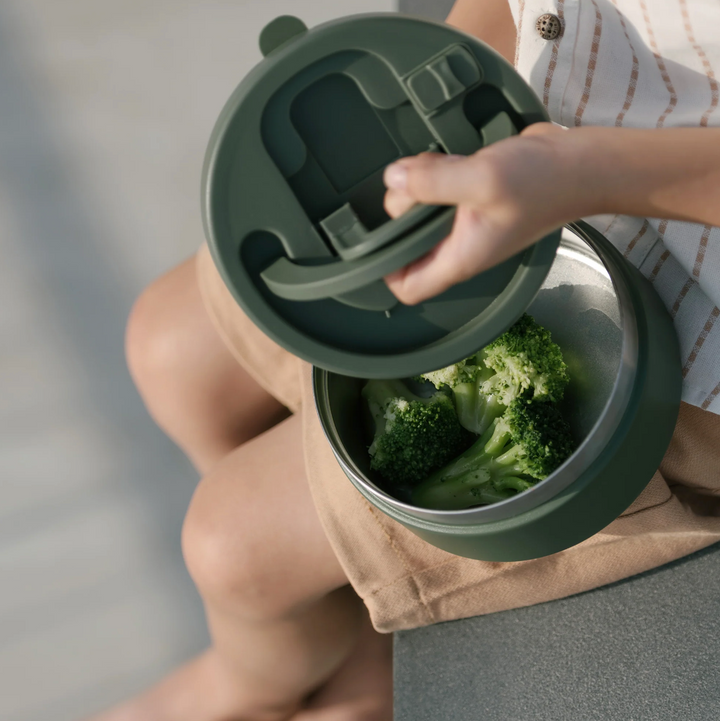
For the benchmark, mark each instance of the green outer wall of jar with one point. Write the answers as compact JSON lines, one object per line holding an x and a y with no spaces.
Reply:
{"x":611,"y":483}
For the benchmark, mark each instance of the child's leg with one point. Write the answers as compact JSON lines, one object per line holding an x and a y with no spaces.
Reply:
{"x":281,"y":616}
{"x":281,"y":620}
{"x":191,"y":384}
{"x":362,"y":688}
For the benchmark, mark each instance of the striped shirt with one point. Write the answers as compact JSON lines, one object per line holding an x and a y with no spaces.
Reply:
{"x":642,"y":64}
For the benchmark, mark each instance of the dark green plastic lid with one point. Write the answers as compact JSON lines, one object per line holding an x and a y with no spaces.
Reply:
{"x":293,"y":192}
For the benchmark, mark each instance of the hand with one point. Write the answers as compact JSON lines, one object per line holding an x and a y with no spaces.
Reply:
{"x":508,"y":196}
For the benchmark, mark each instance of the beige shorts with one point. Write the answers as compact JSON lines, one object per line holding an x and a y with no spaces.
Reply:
{"x":406,"y":582}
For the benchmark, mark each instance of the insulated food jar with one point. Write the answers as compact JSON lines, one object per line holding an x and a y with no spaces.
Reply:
{"x":293,"y":214}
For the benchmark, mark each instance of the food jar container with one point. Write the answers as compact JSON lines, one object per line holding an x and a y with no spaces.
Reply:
{"x":293,"y":214}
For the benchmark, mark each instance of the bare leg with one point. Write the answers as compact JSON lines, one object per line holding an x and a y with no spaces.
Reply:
{"x":281,"y":618}
{"x":192,"y":385}
{"x":361,"y":689}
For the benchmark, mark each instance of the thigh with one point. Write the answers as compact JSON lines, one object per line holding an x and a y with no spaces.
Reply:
{"x":191,"y":383}
{"x":252,"y":537}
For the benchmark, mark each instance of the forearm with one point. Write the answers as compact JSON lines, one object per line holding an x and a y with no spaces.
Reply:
{"x":514,"y":192}
{"x":669,"y":173}
{"x":489,"y":20}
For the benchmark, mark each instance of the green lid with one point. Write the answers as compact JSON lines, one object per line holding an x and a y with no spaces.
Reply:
{"x":293,"y":192}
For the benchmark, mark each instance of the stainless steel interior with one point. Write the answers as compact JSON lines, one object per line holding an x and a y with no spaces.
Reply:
{"x":587,"y":308}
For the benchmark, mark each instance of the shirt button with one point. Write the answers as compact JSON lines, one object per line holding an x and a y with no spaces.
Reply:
{"x":548,"y":26}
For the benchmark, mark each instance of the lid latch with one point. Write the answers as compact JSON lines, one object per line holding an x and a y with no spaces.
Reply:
{"x":344,"y":229}
{"x":443,"y":78}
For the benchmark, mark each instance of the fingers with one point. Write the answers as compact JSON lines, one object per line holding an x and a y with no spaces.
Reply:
{"x":455,"y":259}
{"x":506,"y":197}
{"x":440,"y":179}
{"x":406,"y":284}
{"x":431,"y":178}
{"x":539,"y":129}
{"x":397,"y":202}
{"x":435,"y":179}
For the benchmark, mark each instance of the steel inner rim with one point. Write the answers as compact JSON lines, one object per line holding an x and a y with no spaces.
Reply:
{"x":579,"y":246}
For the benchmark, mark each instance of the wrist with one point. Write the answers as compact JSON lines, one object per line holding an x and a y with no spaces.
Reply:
{"x":569,"y":186}
{"x":656,"y":173}
{"x":588,"y":167}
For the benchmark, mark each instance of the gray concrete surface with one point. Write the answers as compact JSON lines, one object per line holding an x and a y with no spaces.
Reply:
{"x":645,"y":649}
{"x":105,"y":109}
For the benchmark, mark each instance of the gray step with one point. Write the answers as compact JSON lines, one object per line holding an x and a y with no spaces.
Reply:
{"x":644,"y":648}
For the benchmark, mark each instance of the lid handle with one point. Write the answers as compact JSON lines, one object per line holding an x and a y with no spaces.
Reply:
{"x":352,"y":240}
{"x":293,"y":281}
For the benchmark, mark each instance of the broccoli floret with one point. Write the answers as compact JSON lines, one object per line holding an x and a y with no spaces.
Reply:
{"x":524,"y":358}
{"x":526,"y":444}
{"x":464,"y":371}
{"x":413,"y":436}
{"x":475,"y":408}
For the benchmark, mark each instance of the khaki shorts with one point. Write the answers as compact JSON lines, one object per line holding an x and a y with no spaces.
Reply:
{"x":406,"y":582}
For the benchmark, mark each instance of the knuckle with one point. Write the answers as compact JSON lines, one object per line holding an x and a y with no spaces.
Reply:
{"x":423,"y":184}
{"x":493,"y":181}
{"x":493,"y":170}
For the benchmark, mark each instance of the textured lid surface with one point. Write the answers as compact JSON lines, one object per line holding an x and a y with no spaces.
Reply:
{"x":293,"y":192}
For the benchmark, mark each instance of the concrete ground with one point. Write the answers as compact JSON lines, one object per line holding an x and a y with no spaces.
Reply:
{"x":105,"y":109}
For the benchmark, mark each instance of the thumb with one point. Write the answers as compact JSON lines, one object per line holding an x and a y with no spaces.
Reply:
{"x":432,"y":178}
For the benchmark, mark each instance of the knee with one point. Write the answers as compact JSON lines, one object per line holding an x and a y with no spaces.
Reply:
{"x":150,"y":338}
{"x":162,"y":338}
{"x":229,"y":555}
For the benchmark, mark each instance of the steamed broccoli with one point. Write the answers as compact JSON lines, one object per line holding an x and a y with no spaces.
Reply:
{"x":413,"y":436}
{"x":476,"y":409}
{"x":526,"y":444}
{"x":522,"y":359}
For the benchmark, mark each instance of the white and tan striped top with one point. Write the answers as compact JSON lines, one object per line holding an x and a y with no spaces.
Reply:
{"x":642,"y":64}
